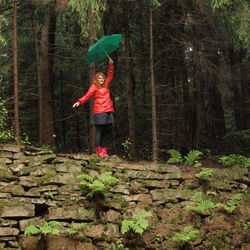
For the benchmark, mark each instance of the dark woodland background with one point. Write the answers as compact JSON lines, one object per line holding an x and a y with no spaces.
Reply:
{"x":200,"y":73}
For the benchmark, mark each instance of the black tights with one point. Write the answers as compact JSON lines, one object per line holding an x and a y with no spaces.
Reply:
{"x":101,"y":134}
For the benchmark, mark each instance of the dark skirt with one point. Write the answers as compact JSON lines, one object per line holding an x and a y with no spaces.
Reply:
{"x":102,"y":118}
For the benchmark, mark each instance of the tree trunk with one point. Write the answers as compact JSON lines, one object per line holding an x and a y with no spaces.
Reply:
{"x":153,"y":90}
{"x":15,"y":73}
{"x":91,"y":76}
{"x":130,"y":92}
{"x":46,"y":122}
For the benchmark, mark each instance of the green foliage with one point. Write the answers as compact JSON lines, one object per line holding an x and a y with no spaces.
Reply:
{"x":232,"y":203}
{"x":83,"y":8}
{"x":126,"y":147}
{"x":193,"y":157}
{"x":137,"y":224}
{"x":97,"y":186}
{"x":5,"y":133}
{"x":176,"y":156}
{"x":3,"y":22}
{"x":235,"y":159}
{"x":188,"y":235}
{"x":205,"y":205}
{"x":93,"y":160}
{"x":75,"y":228}
{"x":46,"y":228}
{"x":247,"y":225}
{"x":205,"y":172}
{"x":220,"y":3}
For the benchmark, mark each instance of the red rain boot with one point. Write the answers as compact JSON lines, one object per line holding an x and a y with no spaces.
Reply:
{"x":104,"y":153}
{"x":98,"y":151}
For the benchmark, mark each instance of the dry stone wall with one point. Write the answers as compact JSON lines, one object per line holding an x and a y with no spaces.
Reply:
{"x":38,"y":186}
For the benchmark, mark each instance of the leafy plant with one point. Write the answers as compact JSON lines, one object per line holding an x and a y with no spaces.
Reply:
{"x":235,"y":159}
{"x":201,"y":205}
{"x":6,"y":134}
{"x":126,"y":147}
{"x":137,"y":224}
{"x":231,"y":205}
{"x":75,"y":228}
{"x":188,"y":235}
{"x":46,"y":228}
{"x":205,"y":172}
{"x":193,"y":157}
{"x":96,"y":186}
{"x":247,"y":225}
{"x":176,"y":156}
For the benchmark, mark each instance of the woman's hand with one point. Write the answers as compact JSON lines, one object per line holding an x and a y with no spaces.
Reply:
{"x":75,"y":105}
{"x":110,"y":61}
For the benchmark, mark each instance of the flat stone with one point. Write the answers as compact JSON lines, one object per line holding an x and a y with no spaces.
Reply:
{"x":62,"y":179}
{"x":28,"y":181}
{"x":10,"y":148}
{"x":99,"y":231}
{"x":5,"y":195}
{"x":6,"y":155}
{"x":16,"y":211}
{"x":54,"y":242}
{"x":156,"y":184}
{"x":5,"y":161}
{"x":8,"y":231}
{"x":112,"y":216}
{"x":70,"y":212}
{"x":37,"y":221}
{"x":145,"y":198}
{"x":29,"y":242}
{"x":120,"y":189}
{"x":6,"y":223}
{"x":17,"y":156}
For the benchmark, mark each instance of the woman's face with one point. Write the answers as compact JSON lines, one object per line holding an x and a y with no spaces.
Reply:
{"x":100,"y":79}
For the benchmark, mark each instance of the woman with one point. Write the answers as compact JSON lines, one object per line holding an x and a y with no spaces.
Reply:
{"x":103,"y":107}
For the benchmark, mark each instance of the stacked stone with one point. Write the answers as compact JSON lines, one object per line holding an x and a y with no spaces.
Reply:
{"x":38,"y":186}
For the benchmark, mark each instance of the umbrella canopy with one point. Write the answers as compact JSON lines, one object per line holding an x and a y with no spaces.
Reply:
{"x":102,"y":48}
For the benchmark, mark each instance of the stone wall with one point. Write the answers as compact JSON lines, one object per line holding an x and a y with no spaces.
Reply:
{"x":38,"y":186}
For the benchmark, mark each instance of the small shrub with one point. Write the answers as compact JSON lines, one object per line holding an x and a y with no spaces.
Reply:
{"x":247,"y":225}
{"x":193,"y":157}
{"x":97,"y":186}
{"x":235,"y":159}
{"x":137,"y":224}
{"x":205,"y":172}
{"x":126,"y":147}
{"x":176,"y":156}
{"x":46,"y":228}
{"x":6,"y":134}
{"x":75,"y":228}
{"x":188,"y":235}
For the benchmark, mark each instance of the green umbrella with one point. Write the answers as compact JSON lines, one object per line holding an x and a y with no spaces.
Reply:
{"x":102,"y":48}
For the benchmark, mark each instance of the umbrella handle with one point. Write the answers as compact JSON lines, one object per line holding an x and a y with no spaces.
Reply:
{"x":106,"y":53}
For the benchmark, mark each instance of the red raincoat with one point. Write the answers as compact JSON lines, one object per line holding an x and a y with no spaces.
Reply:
{"x":102,"y":100}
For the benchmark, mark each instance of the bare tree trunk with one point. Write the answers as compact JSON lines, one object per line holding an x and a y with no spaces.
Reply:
{"x":130,"y":94}
{"x":15,"y":72}
{"x":153,"y":89}
{"x":46,"y":122}
{"x":91,"y":76}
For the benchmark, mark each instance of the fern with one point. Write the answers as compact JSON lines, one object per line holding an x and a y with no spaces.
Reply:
{"x":94,"y":186}
{"x":187,"y":235}
{"x":234,"y":159}
{"x":46,"y":228}
{"x":205,"y":172}
{"x":247,"y":225}
{"x":138,"y":223}
{"x":203,"y":205}
{"x":176,"y":156}
{"x":75,"y":228}
{"x":193,"y":157}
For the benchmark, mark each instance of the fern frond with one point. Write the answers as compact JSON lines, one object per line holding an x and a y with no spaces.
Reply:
{"x":193,"y":157}
{"x":31,"y":230}
{"x":176,"y":156}
{"x":86,"y":177}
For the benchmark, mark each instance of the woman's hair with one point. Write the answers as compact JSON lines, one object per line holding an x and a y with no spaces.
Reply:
{"x":95,"y":80}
